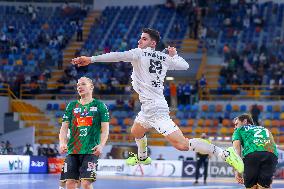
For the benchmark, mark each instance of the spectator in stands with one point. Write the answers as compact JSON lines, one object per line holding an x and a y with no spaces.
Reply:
{"x":79,"y":29}
{"x":170,"y":4}
{"x":187,"y":90}
{"x":255,"y":112}
{"x":28,"y":150}
{"x":123,"y":45}
{"x":55,"y":151}
{"x":49,"y":151}
{"x":3,"y":149}
{"x":9,"y":148}
{"x":180,"y":94}
{"x":41,"y":150}
{"x":173,"y":93}
{"x":202,"y":82}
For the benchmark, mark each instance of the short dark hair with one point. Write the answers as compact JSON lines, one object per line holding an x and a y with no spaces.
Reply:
{"x":154,"y":34}
{"x":247,"y":117}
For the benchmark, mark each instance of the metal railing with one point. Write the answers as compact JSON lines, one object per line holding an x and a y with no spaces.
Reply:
{"x":241,"y":92}
{"x":68,"y":91}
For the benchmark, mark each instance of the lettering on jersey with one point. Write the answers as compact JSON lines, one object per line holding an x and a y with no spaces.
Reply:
{"x":249,"y":127}
{"x":93,"y":109}
{"x":261,"y":142}
{"x":154,"y":55}
{"x":65,"y":116}
{"x":85,"y":112}
{"x":77,"y":110}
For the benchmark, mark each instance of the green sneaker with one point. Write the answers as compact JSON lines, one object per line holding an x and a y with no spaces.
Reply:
{"x":134,"y":160}
{"x":234,"y":160}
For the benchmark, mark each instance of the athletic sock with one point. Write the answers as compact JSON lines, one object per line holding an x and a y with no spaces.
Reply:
{"x":204,"y":147}
{"x":142,"y":147}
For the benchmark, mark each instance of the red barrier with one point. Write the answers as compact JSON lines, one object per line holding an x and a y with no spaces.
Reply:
{"x":55,"y":165}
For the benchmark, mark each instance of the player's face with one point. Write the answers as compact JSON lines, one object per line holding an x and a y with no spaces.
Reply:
{"x":84,"y":86}
{"x":237,"y":123}
{"x":145,"y":41}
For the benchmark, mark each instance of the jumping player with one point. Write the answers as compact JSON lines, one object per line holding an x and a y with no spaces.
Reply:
{"x":149,"y":71}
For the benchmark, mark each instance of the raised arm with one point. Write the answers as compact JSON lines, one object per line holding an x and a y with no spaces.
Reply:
{"x":177,"y":62}
{"x":126,"y":56}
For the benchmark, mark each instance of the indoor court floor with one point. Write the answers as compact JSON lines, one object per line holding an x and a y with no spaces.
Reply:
{"x":49,"y":181}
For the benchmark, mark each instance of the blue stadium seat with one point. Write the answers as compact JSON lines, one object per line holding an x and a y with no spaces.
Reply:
{"x":49,"y":106}
{"x":55,"y":106}
{"x":228,"y":108}
{"x":243,"y":108}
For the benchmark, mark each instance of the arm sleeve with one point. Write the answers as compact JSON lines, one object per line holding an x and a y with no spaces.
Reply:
{"x":104,"y":113}
{"x":67,"y":117}
{"x":178,"y":63}
{"x":236,"y":135}
{"x":126,"y":56}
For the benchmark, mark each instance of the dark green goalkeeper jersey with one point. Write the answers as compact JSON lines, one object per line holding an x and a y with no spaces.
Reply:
{"x":85,"y":125}
{"x":255,"y":138}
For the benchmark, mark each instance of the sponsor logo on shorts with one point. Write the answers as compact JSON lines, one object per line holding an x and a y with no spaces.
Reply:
{"x":91,"y":166}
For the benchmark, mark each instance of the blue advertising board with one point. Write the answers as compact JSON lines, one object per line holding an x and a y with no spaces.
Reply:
{"x":38,"y":164}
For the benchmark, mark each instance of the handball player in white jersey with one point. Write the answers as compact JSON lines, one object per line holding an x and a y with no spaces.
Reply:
{"x":149,"y":71}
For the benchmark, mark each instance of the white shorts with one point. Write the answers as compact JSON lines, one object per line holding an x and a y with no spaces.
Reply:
{"x":156,"y":115}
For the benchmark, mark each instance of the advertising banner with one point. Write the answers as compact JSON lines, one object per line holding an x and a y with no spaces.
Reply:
{"x":111,"y":167}
{"x":220,"y":169}
{"x":14,"y":164}
{"x":159,"y":168}
{"x":38,"y":164}
{"x":188,"y":169}
{"x":55,"y":165}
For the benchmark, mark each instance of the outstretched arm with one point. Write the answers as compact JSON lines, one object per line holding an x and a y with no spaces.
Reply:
{"x":126,"y":56}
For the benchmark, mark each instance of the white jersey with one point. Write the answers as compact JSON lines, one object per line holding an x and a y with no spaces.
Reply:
{"x":149,"y":69}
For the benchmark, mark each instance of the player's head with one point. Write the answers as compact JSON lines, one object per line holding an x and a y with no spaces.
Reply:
{"x":149,"y":38}
{"x":85,"y":86}
{"x":244,"y":119}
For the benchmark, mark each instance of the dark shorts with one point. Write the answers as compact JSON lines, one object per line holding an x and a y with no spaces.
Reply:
{"x":80,"y":166}
{"x":62,"y":175}
{"x":259,"y":169}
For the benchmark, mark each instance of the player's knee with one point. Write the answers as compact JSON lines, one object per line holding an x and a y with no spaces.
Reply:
{"x":137,"y":131}
{"x":86,"y":184}
{"x":181,"y":145}
{"x":71,"y":183}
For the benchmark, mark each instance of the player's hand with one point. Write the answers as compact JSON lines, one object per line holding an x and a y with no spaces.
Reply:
{"x":98,"y":150}
{"x":81,"y":61}
{"x":172,"y":51}
{"x":63,"y":148}
{"x":239,"y":178}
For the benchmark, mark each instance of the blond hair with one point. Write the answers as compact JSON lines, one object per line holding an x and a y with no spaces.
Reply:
{"x":88,"y":79}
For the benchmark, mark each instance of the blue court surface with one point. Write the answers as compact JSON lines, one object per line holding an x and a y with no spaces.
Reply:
{"x":48,"y":181}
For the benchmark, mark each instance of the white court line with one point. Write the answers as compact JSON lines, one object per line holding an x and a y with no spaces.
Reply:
{"x":199,"y":187}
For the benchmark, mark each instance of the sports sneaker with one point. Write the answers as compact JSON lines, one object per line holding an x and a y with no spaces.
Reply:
{"x":233,"y":159}
{"x":134,"y":160}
